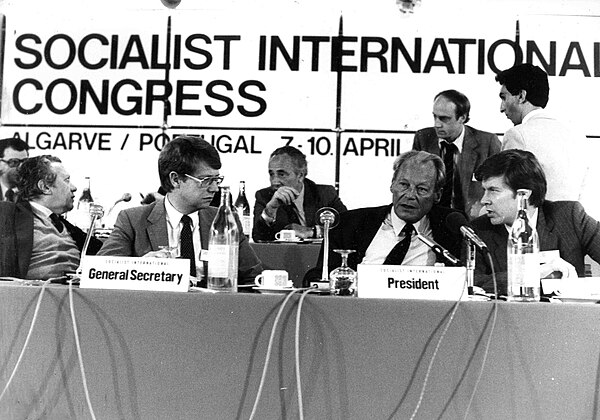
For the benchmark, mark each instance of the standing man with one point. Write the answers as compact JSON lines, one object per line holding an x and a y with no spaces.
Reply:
{"x":560,"y":149}
{"x":461,"y":147}
{"x":189,"y":173}
{"x":560,"y":225}
{"x":36,"y":242}
{"x":292,"y":200}
{"x":386,"y":234}
{"x":13,"y":152}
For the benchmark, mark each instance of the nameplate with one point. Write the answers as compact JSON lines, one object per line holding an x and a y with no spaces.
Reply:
{"x":130,"y":273}
{"x":411,"y":282}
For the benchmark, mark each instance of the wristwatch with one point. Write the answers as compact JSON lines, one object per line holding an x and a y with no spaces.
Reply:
{"x":270,"y":220}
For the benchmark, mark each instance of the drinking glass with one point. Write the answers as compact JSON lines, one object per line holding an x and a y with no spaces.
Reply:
{"x":342,"y":280}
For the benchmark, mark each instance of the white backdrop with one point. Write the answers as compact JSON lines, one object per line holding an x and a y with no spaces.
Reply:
{"x":232,"y":97}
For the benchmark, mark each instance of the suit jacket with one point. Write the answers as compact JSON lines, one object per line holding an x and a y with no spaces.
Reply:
{"x":16,"y":238}
{"x":477,"y":147}
{"x":139,"y":230}
{"x":358,"y":227}
{"x":561,"y":150}
{"x":315,"y":197}
{"x":561,"y":225}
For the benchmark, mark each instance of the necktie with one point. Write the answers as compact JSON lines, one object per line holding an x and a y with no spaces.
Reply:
{"x":58,"y":224}
{"x":10,"y":195}
{"x":292,"y":214}
{"x":397,"y":254}
{"x":187,"y":244}
{"x":452,"y":193}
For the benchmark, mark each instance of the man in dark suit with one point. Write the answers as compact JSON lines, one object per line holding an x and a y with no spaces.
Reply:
{"x":461,"y":147}
{"x":13,"y":152}
{"x":35,"y":241}
{"x":377,"y":233}
{"x":189,"y":173}
{"x":560,"y":225}
{"x":292,"y":200}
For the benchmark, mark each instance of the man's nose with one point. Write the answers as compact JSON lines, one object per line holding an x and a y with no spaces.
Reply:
{"x":485,"y":199}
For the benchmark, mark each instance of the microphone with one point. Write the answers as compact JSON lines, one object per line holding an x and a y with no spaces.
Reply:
{"x":456,"y":222}
{"x":125,"y":197}
{"x":438,"y":249}
{"x":328,"y":217}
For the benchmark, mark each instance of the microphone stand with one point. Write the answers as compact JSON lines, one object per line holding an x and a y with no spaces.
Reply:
{"x":328,"y":217}
{"x":475,"y":292}
{"x":90,"y":232}
{"x":471,"y":253}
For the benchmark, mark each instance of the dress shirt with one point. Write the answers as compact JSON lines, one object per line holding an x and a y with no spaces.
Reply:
{"x":299,"y":203}
{"x":387,"y":237}
{"x":532,"y":220}
{"x":174,"y":226}
{"x":458,"y":142}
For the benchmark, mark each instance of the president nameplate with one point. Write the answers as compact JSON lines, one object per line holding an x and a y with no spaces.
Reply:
{"x":129,"y":273}
{"x":411,"y":282}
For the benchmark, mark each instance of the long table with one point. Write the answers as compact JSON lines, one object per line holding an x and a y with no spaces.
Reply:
{"x":151,"y":355}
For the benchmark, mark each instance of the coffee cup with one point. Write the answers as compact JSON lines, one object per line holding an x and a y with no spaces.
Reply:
{"x":287,"y":235}
{"x":273,"y":279}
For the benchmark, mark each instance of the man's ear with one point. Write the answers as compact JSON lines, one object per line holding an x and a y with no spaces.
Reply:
{"x":174,"y":179}
{"x":437,"y":196}
{"x":41,"y":184}
{"x":522,"y":96}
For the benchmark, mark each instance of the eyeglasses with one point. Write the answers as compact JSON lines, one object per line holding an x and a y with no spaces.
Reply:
{"x":13,"y":163}
{"x":207,"y":180}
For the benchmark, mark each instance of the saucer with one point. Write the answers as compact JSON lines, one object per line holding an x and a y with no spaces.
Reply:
{"x":272,"y":290}
{"x":289,"y":240}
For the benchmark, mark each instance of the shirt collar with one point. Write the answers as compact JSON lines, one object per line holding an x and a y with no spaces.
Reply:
{"x":532,"y":220}
{"x":459,"y":140}
{"x":398,"y":224}
{"x":174,"y":216}
{"x":532,"y":114}
{"x":40,"y":209}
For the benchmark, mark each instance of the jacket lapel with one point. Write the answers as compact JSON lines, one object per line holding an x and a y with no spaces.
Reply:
{"x":157,"y":225}
{"x":468,"y":159}
{"x":545,"y":229}
{"x":310,"y":199}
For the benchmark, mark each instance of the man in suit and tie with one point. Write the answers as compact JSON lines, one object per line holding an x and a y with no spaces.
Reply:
{"x":461,"y":147}
{"x":189,"y":173}
{"x":560,"y":225}
{"x":13,"y":152}
{"x":387,"y":234}
{"x":36,"y":242}
{"x":292,"y":200}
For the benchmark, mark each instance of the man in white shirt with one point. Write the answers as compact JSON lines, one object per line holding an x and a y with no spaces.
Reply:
{"x":387,"y":234}
{"x":461,"y":147}
{"x":561,"y":150}
{"x":292,"y":200}
{"x":189,"y":173}
{"x":560,"y":225}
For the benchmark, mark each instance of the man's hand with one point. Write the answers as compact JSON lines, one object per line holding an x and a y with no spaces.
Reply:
{"x":283,"y":196}
{"x":303,"y":232}
{"x":559,"y":265}
{"x":96,"y":210}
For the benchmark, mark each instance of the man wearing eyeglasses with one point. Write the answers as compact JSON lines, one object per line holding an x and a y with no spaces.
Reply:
{"x":13,"y":152}
{"x":188,"y":168}
{"x":388,"y":234}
